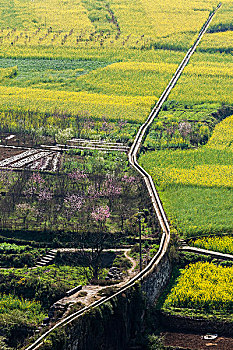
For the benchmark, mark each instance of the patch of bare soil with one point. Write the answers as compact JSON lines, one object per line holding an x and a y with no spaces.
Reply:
{"x":9,"y":152}
{"x":23,"y":140}
{"x":190,"y":341}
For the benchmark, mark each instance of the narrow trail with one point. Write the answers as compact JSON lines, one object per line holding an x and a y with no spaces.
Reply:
{"x":158,"y":208}
{"x":51,"y":254}
{"x":90,"y":293}
{"x":132,"y":260}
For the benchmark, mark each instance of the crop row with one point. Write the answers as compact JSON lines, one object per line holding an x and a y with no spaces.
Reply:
{"x":51,"y":21}
{"x":33,"y":159}
{"x":17,"y":157}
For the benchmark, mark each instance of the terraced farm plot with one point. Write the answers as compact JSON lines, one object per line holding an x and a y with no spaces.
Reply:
{"x":203,"y":287}
{"x":219,"y":36}
{"x":208,"y":81}
{"x":196,"y":185}
{"x":33,"y":159}
{"x":13,"y":255}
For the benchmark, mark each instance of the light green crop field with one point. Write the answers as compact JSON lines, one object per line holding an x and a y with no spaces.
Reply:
{"x":195,"y":185}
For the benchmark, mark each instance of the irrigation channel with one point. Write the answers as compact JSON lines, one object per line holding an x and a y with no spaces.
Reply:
{"x":151,"y":189}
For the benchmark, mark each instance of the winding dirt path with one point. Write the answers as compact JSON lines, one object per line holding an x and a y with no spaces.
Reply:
{"x":90,"y":293}
{"x":132,"y":260}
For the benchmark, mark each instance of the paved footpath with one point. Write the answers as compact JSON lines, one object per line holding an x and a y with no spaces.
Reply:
{"x":216,"y":255}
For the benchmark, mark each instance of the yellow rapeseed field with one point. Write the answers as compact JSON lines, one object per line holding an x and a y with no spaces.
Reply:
{"x":171,"y":16}
{"x":222,"y":138}
{"x":208,"y":81}
{"x":97,"y":105}
{"x":201,"y":175}
{"x":129,"y":78}
{"x":76,"y":23}
{"x":57,"y":14}
{"x":221,"y":41}
{"x":203,"y":286}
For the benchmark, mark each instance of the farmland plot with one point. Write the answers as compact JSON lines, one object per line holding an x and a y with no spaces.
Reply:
{"x":108,"y":35}
{"x":196,"y":185}
{"x":204,"y":287}
{"x":32,"y":159}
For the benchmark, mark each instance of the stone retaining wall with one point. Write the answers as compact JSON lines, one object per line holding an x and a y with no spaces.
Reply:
{"x":154,"y":284}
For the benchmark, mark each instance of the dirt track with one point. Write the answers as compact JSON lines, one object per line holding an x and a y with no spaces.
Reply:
{"x":196,"y":342}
